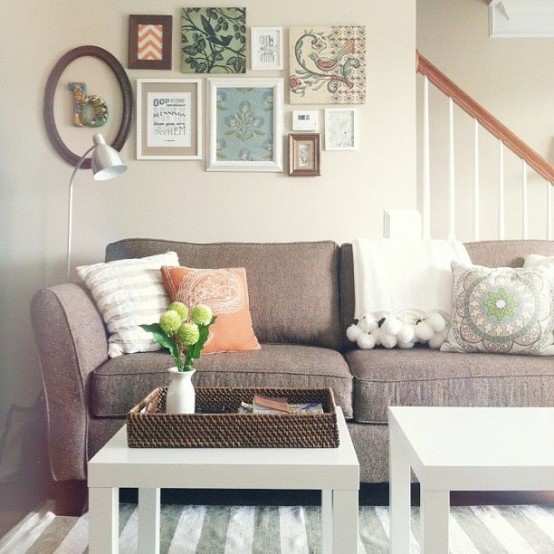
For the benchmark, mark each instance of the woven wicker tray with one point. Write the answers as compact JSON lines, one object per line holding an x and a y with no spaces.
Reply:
{"x":153,"y":428}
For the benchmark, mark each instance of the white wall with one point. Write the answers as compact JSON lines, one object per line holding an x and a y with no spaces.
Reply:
{"x":176,"y":199}
{"x":513,"y":78}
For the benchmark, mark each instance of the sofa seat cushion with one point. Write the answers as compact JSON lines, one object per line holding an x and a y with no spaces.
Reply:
{"x":120,"y":383}
{"x":425,"y":377}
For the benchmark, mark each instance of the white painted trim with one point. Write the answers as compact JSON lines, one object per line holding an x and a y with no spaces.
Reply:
{"x":521,"y":18}
{"x":402,"y":224}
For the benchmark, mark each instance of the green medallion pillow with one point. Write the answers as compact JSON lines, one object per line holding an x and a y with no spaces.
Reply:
{"x":502,"y":310}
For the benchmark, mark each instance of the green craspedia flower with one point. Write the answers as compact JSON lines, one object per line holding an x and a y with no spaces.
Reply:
{"x":201,"y":314}
{"x":181,"y":309}
{"x":170,"y":321}
{"x":188,"y":334}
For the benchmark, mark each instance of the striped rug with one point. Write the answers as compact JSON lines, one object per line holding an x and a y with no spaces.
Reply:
{"x":285,"y":530}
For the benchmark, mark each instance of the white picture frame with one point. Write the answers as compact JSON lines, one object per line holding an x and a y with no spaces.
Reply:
{"x":246,"y":125}
{"x":169,"y":134}
{"x":266,"y":48}
{"x":341,"y":129}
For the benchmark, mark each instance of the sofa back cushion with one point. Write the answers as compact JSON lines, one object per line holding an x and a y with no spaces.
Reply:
{"x":493,"y":253}
{"x":507,"y":253}
{"x":293,"y":287}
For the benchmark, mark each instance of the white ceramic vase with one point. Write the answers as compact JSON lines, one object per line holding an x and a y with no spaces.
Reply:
{"x":181,"y":397}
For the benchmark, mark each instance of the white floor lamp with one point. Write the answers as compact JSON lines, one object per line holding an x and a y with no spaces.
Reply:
{"x":105,"y":164}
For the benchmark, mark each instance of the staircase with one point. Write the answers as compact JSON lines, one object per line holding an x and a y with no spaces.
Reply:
{"x":465,"y":199}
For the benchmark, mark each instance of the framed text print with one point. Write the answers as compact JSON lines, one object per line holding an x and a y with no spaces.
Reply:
{"x":266,"y":47}
{"x":246,"y":125}
{"x":169,"y":119}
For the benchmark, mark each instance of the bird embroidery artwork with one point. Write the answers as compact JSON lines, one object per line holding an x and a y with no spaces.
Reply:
{"x":328,"y":65}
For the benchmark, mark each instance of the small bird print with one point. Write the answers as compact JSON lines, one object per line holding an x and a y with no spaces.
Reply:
{"x":222,"y":40}
{"x":326,"y":64}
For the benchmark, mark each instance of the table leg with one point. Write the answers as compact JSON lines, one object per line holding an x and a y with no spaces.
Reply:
{"x":103,"y":520}
{"x":326,"y":521}
{"x":149,"y":521}
{"x":399,"y":494}
{"x":435,"y":508}
{"x":345,"y":521}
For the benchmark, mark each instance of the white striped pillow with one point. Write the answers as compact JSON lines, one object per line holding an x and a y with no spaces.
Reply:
{"x":129,"y":293}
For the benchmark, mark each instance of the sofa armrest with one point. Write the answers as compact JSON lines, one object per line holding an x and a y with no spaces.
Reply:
{"x":72,"y":342}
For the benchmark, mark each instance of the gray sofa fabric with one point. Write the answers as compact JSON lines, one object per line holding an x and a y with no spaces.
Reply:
{"x":116,"y":384}
{"x":301,"y":301}
{"x":426,"y":377}
{"x":72,"y":342}
{"x":293,"y":287}
{"x":507,"y":253}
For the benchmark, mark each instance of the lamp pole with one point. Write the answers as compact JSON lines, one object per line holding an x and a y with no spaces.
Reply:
{"x":70,"y":211}
{"x":106,"y":164}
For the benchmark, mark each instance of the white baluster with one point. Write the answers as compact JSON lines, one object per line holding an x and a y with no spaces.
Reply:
{"x":549,"y":187}
{"x":426,"y":163}
{"x":476,"y":204}
{"x":501,"y":200}
{"x":452,"y":174}
{"x":525,"y":202}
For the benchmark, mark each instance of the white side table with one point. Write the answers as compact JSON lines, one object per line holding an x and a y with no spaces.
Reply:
{"x":479,"y":449}
{"x":334,"y":471}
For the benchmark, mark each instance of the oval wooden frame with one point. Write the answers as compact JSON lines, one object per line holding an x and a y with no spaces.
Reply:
{"x":50,"y":91}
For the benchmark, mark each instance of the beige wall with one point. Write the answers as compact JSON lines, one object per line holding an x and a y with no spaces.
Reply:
{"x":513,"y":78}
{"x":176,"y":199}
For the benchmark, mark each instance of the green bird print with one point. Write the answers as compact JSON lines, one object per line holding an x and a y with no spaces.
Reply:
{"x":222,"y":40}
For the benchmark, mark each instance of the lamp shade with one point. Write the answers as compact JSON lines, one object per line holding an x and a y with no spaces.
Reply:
{"x":105,"y":162}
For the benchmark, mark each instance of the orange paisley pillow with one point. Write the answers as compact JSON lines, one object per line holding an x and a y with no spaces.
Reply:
{"x":225,"y":291}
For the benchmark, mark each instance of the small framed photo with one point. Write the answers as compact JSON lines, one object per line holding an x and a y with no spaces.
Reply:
{"x":169,"y":119}
{"x":246,"y":119}
{"x":341,"y":129}
{"x":266,"y":47}
{"x":150,"y":41}
{"x":305,"y":120}
{"x":304,"y":154}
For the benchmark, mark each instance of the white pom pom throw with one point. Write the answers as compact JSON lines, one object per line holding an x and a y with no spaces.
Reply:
{"x":401,"y":331}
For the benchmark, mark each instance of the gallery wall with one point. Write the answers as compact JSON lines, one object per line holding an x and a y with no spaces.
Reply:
{"x":178,"y":199}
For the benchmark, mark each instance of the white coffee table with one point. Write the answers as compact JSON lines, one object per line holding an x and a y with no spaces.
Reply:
{"x":334,"y":471}
{"x":479,"y":449}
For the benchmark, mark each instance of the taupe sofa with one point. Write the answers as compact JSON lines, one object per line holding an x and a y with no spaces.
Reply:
{"x":301,"y":301}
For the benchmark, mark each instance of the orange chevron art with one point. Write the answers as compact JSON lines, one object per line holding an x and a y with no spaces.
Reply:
{"x":150,"y":42}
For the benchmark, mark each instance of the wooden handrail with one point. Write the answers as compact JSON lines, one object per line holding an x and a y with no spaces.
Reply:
{"x":485,"y":118}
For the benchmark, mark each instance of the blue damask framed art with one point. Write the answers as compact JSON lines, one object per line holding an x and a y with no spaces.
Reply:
{"x":246,"y":120}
